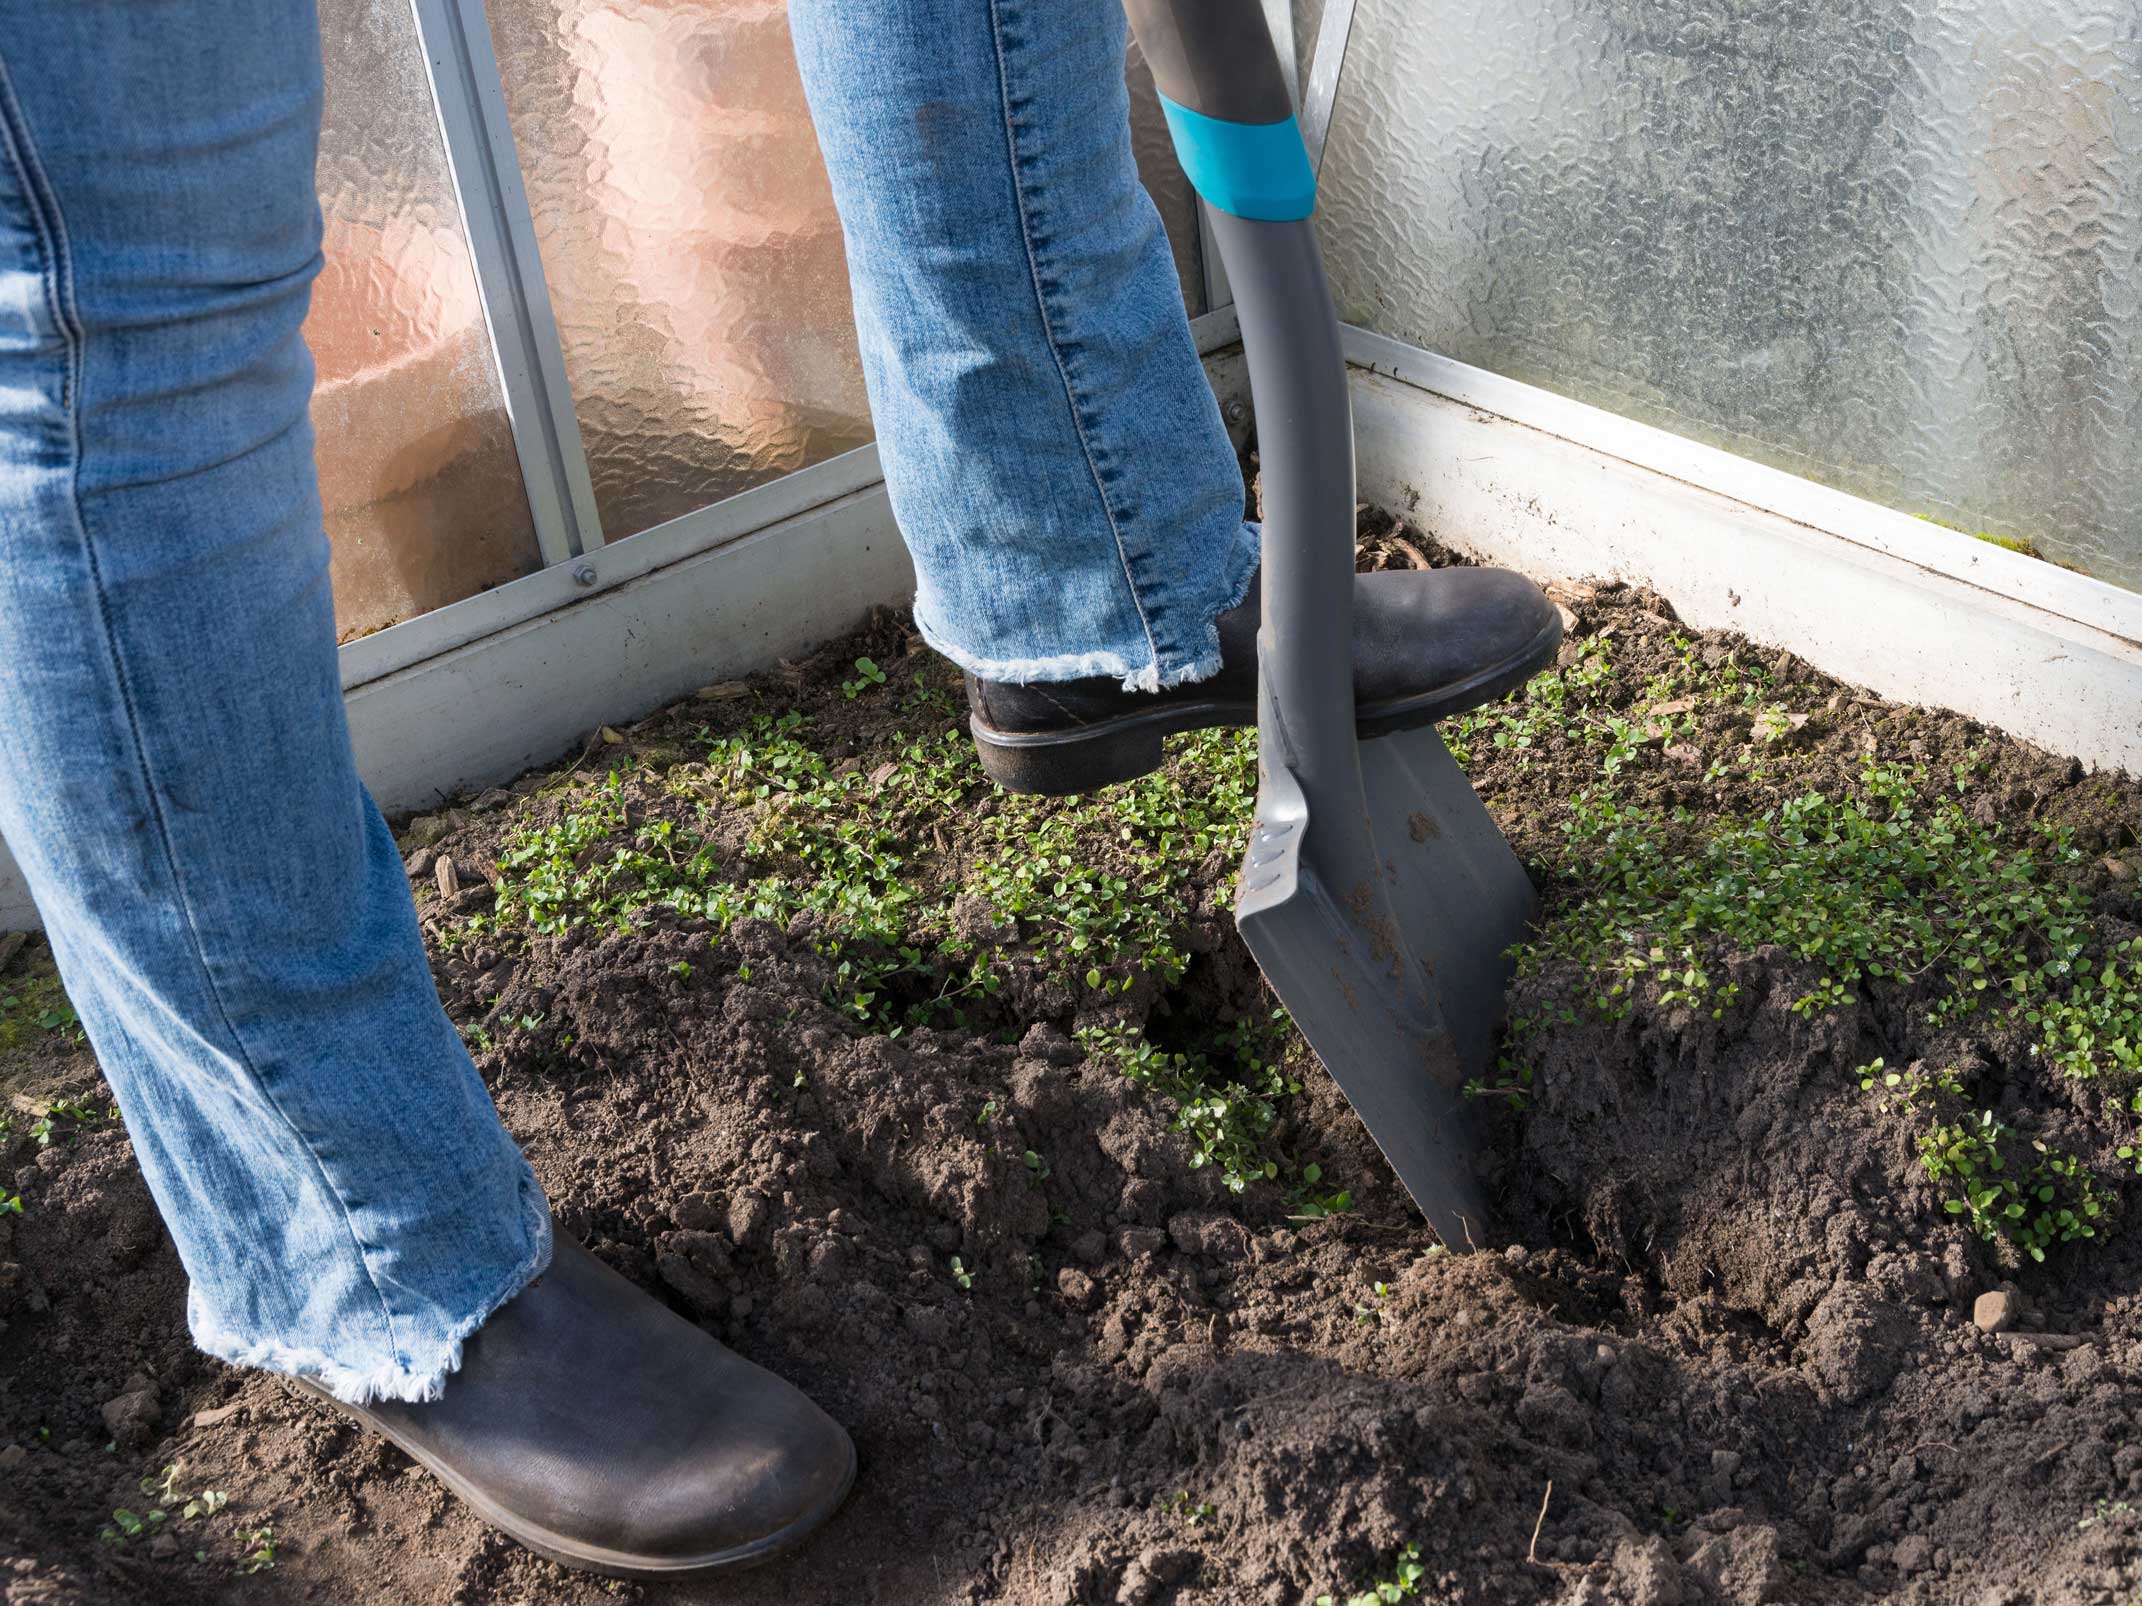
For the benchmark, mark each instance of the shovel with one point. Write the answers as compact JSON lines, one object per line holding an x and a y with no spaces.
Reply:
{"x":1377,"y":894}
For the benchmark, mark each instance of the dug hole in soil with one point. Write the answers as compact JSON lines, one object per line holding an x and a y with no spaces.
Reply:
{"x":1722,"y":1348}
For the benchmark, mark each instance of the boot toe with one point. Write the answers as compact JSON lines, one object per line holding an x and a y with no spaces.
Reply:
{"x":754,"y":1485}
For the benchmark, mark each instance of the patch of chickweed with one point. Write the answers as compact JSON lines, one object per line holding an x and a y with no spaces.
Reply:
{"x":2000,"y":1184}
{"x":1867,"y":887}
{"x":1226,"y":1098}
{"x":921,"y":885}
{"x":1089,"y":886}
{"x":1891,"y":883}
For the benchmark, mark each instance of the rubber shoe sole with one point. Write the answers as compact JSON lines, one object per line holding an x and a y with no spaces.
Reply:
{"x":594,"y":1558}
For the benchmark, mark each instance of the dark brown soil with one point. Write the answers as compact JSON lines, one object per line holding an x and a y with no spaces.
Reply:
{"x":1723,"y":1353}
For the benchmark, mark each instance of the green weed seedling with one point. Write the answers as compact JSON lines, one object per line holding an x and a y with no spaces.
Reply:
{"x":47,"y":1128}
{"x":1308,"y":1203}
{"x":1404,"y":1583}
{"x":2105,"y":1512}
{"x":1189,"y":1512}
{"x":867,"y":675}
{"x":258,"y":1554}
{"x":128,"y":1525}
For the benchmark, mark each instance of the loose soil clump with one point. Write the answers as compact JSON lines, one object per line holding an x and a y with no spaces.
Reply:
{"x":972,"y":1116}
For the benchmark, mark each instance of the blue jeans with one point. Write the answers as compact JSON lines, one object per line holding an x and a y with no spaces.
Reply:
{"x":1055,"y":459}
{"x":227,"y":908}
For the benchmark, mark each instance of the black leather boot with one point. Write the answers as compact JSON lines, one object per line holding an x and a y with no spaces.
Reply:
{"x":1428,"y":643}
{"x":601,"y":1430}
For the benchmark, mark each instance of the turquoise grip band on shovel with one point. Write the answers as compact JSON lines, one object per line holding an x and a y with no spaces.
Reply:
{"x":1247,"y":170}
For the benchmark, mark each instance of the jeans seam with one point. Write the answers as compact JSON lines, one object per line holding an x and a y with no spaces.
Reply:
{"x":50,"y":221}
{"x":1048,"y":325}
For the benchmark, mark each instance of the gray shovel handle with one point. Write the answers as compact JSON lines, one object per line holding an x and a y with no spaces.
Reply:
{"x":1234,"y":129}
{"x":1213,"y":56}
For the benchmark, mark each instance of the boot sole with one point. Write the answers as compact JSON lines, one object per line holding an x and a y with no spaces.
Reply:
{"x":595,"y":1558}
{"x":1064,"y":763}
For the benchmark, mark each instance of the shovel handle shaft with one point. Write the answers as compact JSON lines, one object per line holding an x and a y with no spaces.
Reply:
{"x":1227,"y":106}
{"x":1305,"y":442}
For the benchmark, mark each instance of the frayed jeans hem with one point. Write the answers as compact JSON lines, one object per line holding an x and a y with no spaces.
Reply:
{"x":1152,"y":675}
{"x":414,"y":1380}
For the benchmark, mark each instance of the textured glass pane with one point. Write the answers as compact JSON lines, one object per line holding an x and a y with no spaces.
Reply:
{"x":1895,"y":245}
{"x":691,"y":246}
{"x":690,"y":243}
{"x":417,"y":468}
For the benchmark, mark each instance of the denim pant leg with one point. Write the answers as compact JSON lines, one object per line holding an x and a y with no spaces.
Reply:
{"x":1055,"y":458}
{"x":226,"y":905}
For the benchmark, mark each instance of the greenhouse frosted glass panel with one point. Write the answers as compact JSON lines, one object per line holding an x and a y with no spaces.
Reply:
{"x":418,"y":474}
{"x":691,"y":246}
{"x":1894,"y":245}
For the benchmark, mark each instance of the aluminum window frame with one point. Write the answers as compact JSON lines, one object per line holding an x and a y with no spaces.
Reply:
{"x":469,"y":98}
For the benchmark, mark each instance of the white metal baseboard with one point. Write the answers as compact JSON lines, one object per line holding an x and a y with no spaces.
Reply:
{"x":1913,"y":612}
{"x":485,"y":710}
{"x":476,"y":693}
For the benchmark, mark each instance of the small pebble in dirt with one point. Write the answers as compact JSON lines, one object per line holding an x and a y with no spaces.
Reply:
{"x":1994,"y":1312}
{"x":419,"y":863}
{"x":1605,"y":1355}
{"x":447,"y":877}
